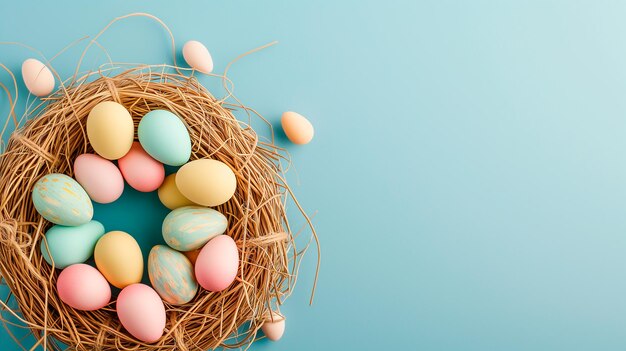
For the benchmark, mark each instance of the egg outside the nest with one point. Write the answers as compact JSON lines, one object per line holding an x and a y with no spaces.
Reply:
{"x":274,"y":327}
{"x":37,"y":77}
{"x":297,"y":128}
{"x":197,"y":56}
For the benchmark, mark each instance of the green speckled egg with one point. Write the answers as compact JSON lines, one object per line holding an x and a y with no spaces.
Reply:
{"x":164,"y":137}
{"x":61,"y":200}
{"x":70,"y":245}
{"x":171,"y":275}
{"x":190,"y":227}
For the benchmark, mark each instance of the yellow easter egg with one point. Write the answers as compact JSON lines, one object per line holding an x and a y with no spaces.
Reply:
{"x":118,"y":257}
{"x":170,"y":196}
{"x":206,"y":182}
{"x":110,"y":130}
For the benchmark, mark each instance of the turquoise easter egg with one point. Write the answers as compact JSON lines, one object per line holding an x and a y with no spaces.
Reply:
{"x":61,"y":200}
{"x":70,"y":245}
{"x":190,"y":227}
{"x":164,"y":137}
{"x":171,"y":275}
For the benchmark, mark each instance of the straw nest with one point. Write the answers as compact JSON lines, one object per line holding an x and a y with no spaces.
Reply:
{"x":50,"y":141}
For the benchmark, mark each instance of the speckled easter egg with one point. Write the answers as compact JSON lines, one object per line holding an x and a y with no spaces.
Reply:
{"x":171,"y":275}
{"x":141,"y":171}
{"x":188,"y":228}
{"x":217,"y":264}
{"x":164,"y":137}
{"x":61,"y":200}
{"x":118,"y":257}
{"x":110,"y":130}
{"x":100,"y":178}
{"x":70,"y":245}
{"x":141,"y":312}
{"x":197,"y":56}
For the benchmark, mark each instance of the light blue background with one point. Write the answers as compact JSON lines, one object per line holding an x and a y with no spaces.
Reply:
{"x":469,"y":166}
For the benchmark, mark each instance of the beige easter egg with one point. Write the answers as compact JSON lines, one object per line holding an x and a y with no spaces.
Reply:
{"x":37,"y":77}
{"x":206,"y":182}
{"x":110,"y":130}
{"x":297,"y":128}
{"x":197,"y":56}
{"x":274,"y":327}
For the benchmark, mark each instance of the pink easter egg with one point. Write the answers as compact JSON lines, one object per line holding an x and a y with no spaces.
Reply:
{"x":217,"y":264}
{"x":141,"y":312}
{"x":140,"y":170}
{"x":83,"y":287}
{"x":99,"y":177}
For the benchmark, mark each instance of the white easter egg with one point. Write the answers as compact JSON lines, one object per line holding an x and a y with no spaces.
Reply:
{"x":198,"y":56}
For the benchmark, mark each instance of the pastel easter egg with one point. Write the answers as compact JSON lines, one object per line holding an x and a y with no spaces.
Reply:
{"x":69,"y":245}
{"x":100,"y":178}
{"x":118,"y":257}
{"x":297,"y":128}
{"x":170,"y":196}
{"x":274,"y":326}
{"x":61,"y":200}
{"x":197,"y":56}
{"x":217,"y":264}
{"x":188,"y":228}
{"x":82,"y":287}
{"x":164,"y":137}
{"x":171,"y":275}
{"x":37,"y":77}
{"x":206,"y":182}
{"x":141,"y":171}
{"x":110,"y":130}
{"x":141,"y":312}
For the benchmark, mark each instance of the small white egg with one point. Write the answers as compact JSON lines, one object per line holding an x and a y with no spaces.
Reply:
{"x":37,"y":77}
{"x":275,"y":329}
{"x":198,"y":56}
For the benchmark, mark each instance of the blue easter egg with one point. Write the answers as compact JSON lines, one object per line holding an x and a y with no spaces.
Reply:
{"x":70,"y":245}
{"x":164,"y":137}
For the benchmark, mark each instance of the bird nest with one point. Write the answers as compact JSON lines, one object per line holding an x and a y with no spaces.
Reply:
{"x":55,"y":135}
